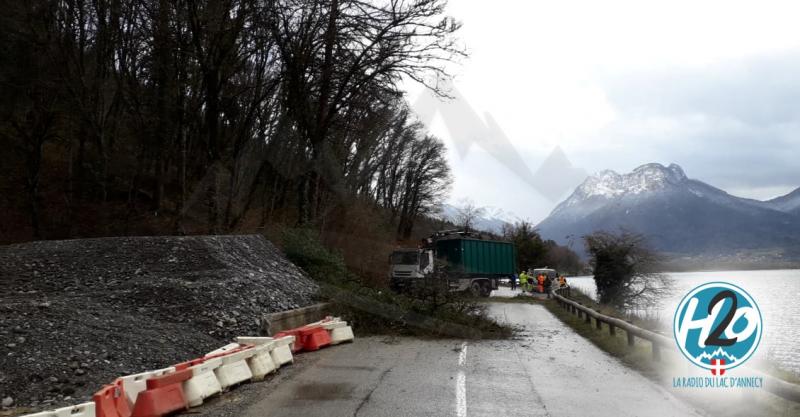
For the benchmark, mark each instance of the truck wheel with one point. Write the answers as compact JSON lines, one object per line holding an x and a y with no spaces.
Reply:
{"x":475,"y":289}
{"x":486,"y":289}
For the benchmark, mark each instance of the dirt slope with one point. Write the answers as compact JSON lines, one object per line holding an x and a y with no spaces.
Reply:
{"x":75,"y":314}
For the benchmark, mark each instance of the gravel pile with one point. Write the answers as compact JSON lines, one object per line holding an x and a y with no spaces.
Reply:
{"x":76,"y":314}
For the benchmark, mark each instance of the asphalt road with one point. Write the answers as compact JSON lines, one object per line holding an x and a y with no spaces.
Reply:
{"x":549,"y":371}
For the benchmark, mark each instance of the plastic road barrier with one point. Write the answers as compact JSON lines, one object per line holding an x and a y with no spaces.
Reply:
{"x":254,"y":340}
{"x":164,"y":395}
{"x":226,"y":350}
{"x":261,"y":362}
{"x":111,"y":401}
{"x":314,"y":338}
{"x":234,"y":368}
{"x":338,"y":329}
{"x":297,"y":341}
{"x":203,"y":383}
{"x":80,"y":410}
{"x":188,"y":364}
{"x":341,"y":334}
{"x":136,"y":383}
{"x":281,"y":350}
{"x":332,"y":324}
{"x":229,"y":348}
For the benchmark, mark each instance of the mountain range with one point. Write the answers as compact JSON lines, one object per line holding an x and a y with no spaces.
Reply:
{"x":490,"y":219}
{"x":677,"y":214}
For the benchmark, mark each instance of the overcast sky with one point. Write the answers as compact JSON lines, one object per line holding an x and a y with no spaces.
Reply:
{"x":713,"y":86}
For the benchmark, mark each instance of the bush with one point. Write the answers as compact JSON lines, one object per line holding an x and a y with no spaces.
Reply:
{"x":303,"y":247}
{"x":626,"y":270}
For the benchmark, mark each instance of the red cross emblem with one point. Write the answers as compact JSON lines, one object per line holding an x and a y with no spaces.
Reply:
{"x":717,"y":366}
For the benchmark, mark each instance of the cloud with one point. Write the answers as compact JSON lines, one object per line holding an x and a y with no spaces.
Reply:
{"x":761,"y":90}
{"x":734,"y":124}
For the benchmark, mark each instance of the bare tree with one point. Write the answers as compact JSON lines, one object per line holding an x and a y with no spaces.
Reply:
{"x":338,"y":52}
{"x":626,"y":271}
{"x":467,"y":213}
{"x":194,"y":115}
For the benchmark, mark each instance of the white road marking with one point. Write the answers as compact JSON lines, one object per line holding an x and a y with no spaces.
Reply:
{"x":461,"y":394}
{"x":461,"y":383}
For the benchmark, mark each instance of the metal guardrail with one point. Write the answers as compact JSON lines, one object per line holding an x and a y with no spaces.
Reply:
{"x":779,"y":387}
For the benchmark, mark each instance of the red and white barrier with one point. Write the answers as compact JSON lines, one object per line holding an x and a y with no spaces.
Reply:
{"x":282,"y":351}
{"x":203,"y":383}
{"x":230,"y":347}
{"x":164,"y":395}
{"x":136,"y":383}
{"x":80,"y":410}
{"x":188,"y":384}
{"x":234,"y":368}
{"x":261,"y":362}
{"x":341,"y":334}
{"x":337,"y":328}
{"x":111,"y":401}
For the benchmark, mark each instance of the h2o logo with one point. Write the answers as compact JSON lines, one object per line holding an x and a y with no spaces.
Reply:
{"x":717,"y":326}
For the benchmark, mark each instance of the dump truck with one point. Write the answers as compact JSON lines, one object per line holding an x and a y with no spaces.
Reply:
{"x":473,"y":264}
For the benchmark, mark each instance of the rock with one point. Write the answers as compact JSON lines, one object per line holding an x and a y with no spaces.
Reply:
{"x":83,"y":339}
{"x":7,"y":402}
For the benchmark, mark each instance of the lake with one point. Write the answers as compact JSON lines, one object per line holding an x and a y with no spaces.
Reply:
{"x":777,"y":293}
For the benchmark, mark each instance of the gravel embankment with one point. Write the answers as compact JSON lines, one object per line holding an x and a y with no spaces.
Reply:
{"x":76,"y":314}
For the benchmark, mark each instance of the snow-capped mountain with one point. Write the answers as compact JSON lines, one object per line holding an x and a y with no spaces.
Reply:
{"x":676,"y":213}
{"x":492,"y":219}
{"x":789,"y":203}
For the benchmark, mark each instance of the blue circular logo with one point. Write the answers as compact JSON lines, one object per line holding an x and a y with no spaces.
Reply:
{"x":717,"y":326}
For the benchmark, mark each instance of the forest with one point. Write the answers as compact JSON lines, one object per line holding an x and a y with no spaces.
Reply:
{"x":146,"y":116}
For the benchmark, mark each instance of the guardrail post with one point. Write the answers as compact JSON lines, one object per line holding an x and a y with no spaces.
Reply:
{"x":656,"y":352}
{"x":587,"y":317}
{"x":611,"y":330}
{"x":631,"y":340}
{"x":599,"y":324}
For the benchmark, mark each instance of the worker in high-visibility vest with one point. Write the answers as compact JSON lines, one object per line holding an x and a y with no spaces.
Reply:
{"x":540,"y":286}
{"x":523,"y":280}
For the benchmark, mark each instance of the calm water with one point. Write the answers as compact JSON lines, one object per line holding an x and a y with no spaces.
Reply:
{"x":776,"y":292}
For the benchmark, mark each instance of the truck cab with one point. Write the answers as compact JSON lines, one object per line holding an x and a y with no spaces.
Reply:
{"x":410,"y":263}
